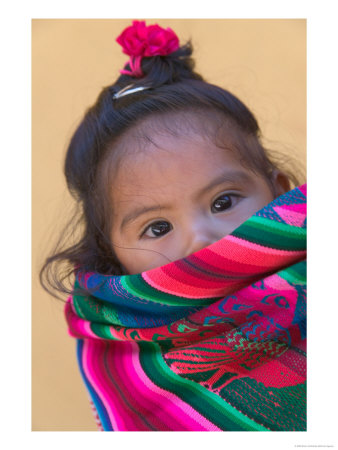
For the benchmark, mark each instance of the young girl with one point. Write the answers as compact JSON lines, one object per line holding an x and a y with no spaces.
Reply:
{"x":189,"y":295}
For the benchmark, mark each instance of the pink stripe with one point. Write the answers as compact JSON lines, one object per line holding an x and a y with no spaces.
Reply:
{"x":172,"y":280}
{"x":129,"y":384}
{"x":79,"y":327}
{"x":168,"y":407}
{"x":177,"y":405}
{"x":128,"y":407}
{"x":88,"y":354}
{"x":265,"y":255}
{"x":88,"y":330}
{"x":180,"y":289}
{"x":303,"y":188}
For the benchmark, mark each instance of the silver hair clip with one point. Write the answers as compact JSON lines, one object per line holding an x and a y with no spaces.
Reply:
{"x":129,"y":90}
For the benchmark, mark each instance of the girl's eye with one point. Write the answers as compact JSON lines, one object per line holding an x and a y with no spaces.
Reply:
{"x":222,"y":203}
{"x":157,"y":229}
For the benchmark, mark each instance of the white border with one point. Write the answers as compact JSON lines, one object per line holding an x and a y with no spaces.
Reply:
{"x":16,"y":229}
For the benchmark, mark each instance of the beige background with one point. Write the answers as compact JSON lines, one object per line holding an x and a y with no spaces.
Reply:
{"x":263,"y":62}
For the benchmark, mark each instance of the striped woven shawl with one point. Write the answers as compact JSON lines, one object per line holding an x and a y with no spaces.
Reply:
{"x":212,"y":342}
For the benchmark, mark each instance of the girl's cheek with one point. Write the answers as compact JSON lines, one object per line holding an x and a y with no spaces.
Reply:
{"x":170,"y":247}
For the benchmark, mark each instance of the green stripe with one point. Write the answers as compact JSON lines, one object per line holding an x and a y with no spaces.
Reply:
{"x":272,"y":234}
{"x":207,"y":403}
{"x":280,"y":227}
{"x":95,"y":310}
{"x":77,"y":302}
{"x":88,"y":308}
{"x":103,"y":331}
{"x":78,"y":308}
{"x":295,"y":274}
{"x":135,"y":285}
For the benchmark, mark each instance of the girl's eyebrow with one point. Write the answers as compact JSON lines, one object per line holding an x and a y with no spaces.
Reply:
{"x":139,"y":212}
{"x":236,"y":176}
{"x":227,"y":177}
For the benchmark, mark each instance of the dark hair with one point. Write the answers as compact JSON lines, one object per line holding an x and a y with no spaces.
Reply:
{"x":172,"y":86}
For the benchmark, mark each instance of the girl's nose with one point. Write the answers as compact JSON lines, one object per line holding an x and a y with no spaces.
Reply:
{"x":198,"y":244}
{"x":201,"y":237}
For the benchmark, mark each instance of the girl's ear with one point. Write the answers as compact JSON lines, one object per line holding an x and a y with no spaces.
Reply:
{"x":281,"y":183}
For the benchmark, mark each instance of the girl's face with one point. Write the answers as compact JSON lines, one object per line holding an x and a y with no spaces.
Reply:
{"x":178,"y":195}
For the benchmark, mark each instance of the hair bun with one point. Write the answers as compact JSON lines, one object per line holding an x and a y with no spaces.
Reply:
{"x":169,"y":69}
{"x":156,"y":57}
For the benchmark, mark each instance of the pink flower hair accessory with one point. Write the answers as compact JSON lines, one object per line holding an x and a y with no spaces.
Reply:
{"x":139,"y":41}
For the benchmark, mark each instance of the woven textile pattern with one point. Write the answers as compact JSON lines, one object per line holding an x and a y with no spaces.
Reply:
{"x":213,"y":342}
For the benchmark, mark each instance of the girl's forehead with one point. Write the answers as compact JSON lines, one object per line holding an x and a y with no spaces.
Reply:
{"x":155,"y":131}
{"x":169,"y":148}
{"x":169,"y":160}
